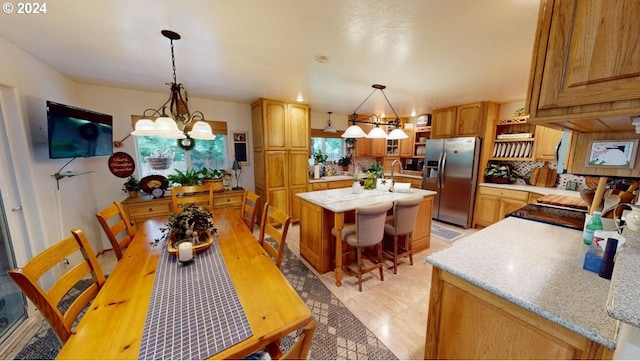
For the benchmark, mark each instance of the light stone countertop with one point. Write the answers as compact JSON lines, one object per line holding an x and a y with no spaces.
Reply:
{"x":536,"y":266}
{"x":624,"y":297}
{"x":343,"y":199}
{"x":535,"y":189}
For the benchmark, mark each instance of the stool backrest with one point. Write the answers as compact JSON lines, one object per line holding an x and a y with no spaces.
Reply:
{"x":370,"y":223}
{"x":405,"y":214}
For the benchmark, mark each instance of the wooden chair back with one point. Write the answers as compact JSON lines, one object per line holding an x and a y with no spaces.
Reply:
{"x":301,"y":347}
{"x":28,"y":278}
{"x":249,"y":208}
{"x":200,"y":195}
{"x":116,"y":225}
{"x":275,"y":224}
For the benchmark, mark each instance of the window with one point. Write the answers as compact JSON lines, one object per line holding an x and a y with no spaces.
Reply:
{"x":333,"y":147}
{"x":161,"y":156}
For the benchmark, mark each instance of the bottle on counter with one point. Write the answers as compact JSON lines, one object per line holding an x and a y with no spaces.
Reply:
{"x":595,"y":224}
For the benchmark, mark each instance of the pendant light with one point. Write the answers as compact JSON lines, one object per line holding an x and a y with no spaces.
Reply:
{"x":354,"y":131}
{"x":329,"y":128}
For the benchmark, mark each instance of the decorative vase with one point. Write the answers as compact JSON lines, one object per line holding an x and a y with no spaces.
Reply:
{"x":316,"y":171}
{"x":356,"y":187}
{"x":133,"y":194}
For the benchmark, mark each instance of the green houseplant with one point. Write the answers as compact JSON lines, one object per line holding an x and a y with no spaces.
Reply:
{"x":344,"y":162}
{"x":500,"y":173}
{"x":211,"y":175}
{"x":319,"y":157}
{"x":132,"y":186}
{"x":190,"y":177}
{"x":376,"y":169}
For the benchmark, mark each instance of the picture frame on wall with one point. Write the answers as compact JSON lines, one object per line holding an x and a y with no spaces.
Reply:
{"x":241,"y":147}
{"x":612,"y":153}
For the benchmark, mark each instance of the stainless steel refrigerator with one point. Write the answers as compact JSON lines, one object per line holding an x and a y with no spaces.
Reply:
{"x":451,"y":169}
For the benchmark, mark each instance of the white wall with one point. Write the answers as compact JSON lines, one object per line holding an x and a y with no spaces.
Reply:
{"x":81,"y":197}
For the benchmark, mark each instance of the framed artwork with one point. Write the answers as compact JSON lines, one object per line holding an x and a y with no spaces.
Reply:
{"x":612,"y":153}
{"x":241,"y":147}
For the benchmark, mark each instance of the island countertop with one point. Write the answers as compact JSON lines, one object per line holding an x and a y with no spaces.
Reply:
{"x":343,"y":199}
{"x":538,"y":267}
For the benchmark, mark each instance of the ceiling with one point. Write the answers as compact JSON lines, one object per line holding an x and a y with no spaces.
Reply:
{"x":428,"y":53}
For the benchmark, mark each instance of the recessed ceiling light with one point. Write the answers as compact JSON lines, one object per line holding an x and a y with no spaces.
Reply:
{"x":320,"y":58}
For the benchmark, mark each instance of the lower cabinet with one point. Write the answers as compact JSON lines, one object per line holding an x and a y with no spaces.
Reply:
{"x":467,"y":322}
{"x":320,"y":186}
{"x":143,"y":207}
{"x":492,"y":204}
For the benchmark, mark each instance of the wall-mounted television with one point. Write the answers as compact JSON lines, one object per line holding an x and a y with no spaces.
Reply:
{"x":75,"y":132}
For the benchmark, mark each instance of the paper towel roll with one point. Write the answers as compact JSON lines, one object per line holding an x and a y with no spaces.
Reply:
{"x":402,"y":187}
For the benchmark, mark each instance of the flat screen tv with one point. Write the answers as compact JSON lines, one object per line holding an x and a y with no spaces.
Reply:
{"x":75,"y":132}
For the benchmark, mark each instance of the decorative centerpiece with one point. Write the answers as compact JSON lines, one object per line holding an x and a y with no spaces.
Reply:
{"x":194,"y":224}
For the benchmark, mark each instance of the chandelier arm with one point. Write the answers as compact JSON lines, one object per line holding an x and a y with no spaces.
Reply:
{"x":154,"y":112}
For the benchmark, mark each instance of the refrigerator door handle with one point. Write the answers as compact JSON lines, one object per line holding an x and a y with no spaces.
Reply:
{"x":443,"y":163}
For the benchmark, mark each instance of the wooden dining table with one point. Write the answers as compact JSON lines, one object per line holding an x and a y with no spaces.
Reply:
{"x":113,"y":325}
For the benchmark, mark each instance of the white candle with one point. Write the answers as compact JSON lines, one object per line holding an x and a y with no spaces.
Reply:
{"x":185,"y":252}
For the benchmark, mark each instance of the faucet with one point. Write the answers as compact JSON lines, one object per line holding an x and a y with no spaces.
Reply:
{"x":393,"y":164}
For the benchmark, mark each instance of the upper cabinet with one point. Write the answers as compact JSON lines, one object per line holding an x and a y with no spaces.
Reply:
{"x":463,"y":121}
{"x":585,"y":73}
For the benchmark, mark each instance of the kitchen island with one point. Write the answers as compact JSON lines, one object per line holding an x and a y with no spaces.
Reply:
{"x":322,"y":210}
{"x":516,"y":290}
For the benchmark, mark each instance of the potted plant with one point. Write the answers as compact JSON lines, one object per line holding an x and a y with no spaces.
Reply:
{"x":211,"y":175}
{"x":194,"y":224}
{"x":344,"y":162}
{"x":376,"y":169}
{"x":319,"y":157}
{"x":190,"y":177}
{"x":132,"y":186}
{"x":500,"y":173}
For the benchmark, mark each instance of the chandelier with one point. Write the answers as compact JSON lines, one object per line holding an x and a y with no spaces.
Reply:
{"x":173,"y":118}
{"x":354,"y":131}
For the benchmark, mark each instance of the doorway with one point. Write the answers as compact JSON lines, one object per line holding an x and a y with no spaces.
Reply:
{"x":13,"y":304}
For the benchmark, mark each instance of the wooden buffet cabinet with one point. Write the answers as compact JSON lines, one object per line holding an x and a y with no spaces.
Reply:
{"x":144,"y":207}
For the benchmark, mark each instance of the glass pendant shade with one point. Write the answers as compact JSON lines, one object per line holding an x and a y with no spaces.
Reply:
{"x":377,"y":133}
{"x":144,"y":127}
{"x":329,"y":129}
{"x":354,"y":131}
{"x":201,"y":130}
{"x":397,"y":134}
{"x":167,"y":128}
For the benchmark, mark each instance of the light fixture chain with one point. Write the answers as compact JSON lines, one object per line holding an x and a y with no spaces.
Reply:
{"x":374,"y":90}
{"x":388,"y":102}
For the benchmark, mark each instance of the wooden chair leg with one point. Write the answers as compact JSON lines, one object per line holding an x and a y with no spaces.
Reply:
{"x":395,"y":254}
{"x":380,"y":261}
{"x":359,"y":255}
{"x":410,"y":247}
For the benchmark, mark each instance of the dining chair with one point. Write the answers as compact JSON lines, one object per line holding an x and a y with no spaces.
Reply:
{"x":367,"y":231}
{"x":28,"y":278}
{"x":116,"y":225}
{"x":275,"y":224}
{"x":402,"y":223}
{"x":200,"y":195}
{"x":249,"y":208}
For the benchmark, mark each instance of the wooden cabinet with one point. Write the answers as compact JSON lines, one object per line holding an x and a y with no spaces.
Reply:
{"x":492,"y":204}
{"x":421,"y":134}
{"x":363,"y":145}
{"x":319,"y":186}
{"x":406,"y":145}
{"x":467,"y":120}
{"x":546,"y":143}
{"x":443,"y":122}
{"x":585,"y":75}
{"x":457,"y":327}
{"x":144,"y":207}
{"x":581,"y":145}
{"x":281,"y":134}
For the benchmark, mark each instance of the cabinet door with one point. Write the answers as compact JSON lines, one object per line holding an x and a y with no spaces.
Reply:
{"x":510,"y":205}
{"x":274,"y":125}
{"x":546,"y":141}
{"x":378,"y":146}
{"x":487,"y":211}
{"x":363,"y":145}
{"x":585,"y":60}
{"x":469,"y":120}
{"x":276,"y":168}
{"x":298,"y":127}
{"x":406,"y":145}
{"x":443,"y":123}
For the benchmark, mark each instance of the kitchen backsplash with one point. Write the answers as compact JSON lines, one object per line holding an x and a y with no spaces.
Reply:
{"x":524,"y":170}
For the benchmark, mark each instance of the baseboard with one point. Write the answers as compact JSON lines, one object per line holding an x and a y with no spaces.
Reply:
{"x":15,"y":342}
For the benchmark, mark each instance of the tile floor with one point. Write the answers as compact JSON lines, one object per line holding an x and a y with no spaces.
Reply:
{"x":395,"y":310}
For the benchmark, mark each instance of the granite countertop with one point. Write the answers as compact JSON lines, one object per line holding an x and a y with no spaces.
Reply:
{"x":534,"y":189}
{"x":538,"y":267}
{"x":343,"y":199}
{"x":624,"y":297}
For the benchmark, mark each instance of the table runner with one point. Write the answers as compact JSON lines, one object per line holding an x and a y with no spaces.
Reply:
{"x":194,"y":310}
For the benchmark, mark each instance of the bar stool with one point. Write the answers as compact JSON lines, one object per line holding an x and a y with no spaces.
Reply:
{"x":402,"y":223}
{"x":366,"y":232}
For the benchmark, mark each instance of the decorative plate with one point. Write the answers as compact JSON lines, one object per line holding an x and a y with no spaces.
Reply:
{"x":148,"y":183}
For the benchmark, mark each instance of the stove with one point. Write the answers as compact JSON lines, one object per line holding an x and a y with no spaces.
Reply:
{"x":551,"y":215}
